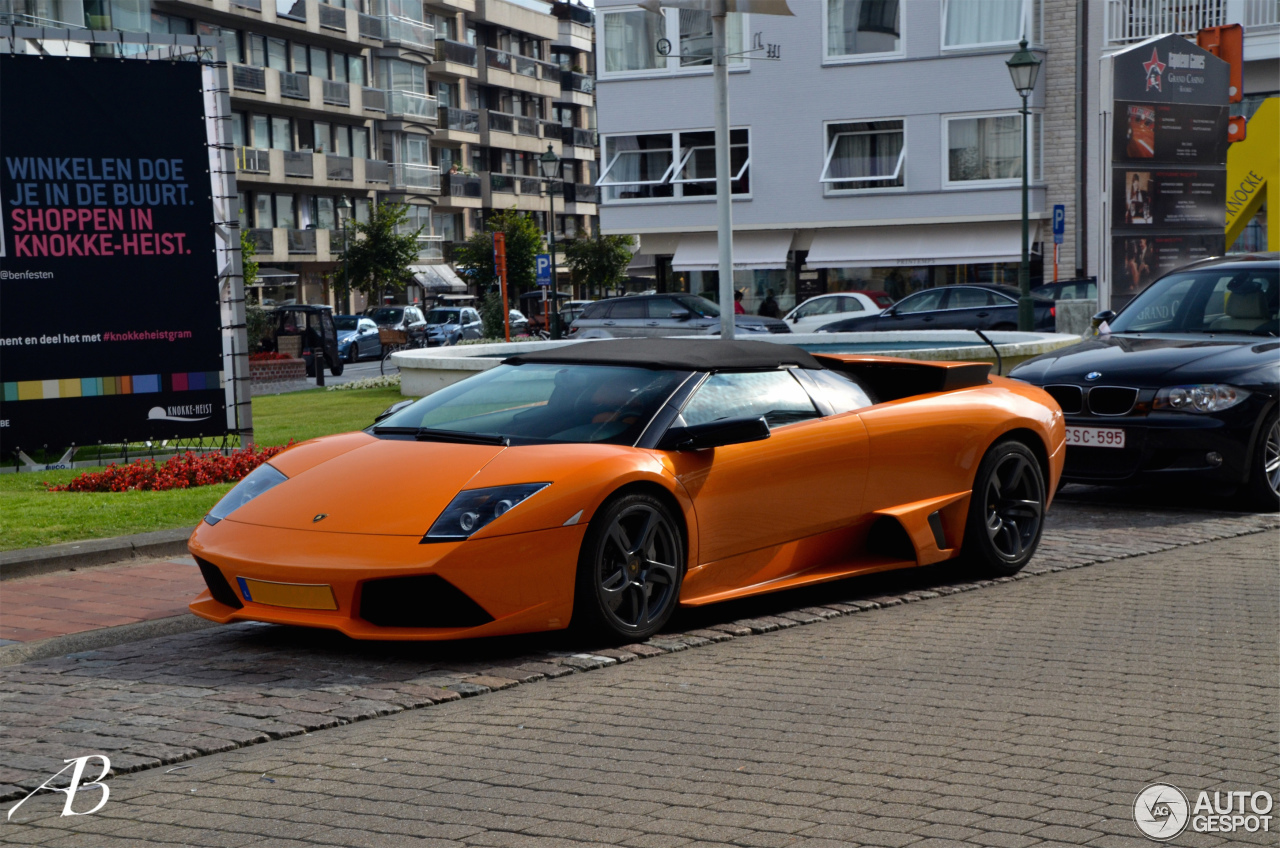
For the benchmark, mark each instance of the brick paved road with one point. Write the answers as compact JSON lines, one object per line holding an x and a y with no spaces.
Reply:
{"x":1026,"y":714}
{"x":163,"y":701}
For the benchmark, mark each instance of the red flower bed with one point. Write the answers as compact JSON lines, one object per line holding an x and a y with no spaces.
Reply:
{"x":180,"y":472}
{"x":268,"y":356}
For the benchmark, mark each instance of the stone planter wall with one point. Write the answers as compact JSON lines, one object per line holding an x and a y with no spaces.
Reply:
{"x":277,"y":370}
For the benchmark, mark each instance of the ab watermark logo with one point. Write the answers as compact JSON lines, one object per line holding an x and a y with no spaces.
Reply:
{"x":74,"y":786}
{"x":1162,"y":811}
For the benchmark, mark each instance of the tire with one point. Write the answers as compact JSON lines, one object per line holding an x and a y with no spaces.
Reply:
{"x":1261,"y":491}
{"x":387,"y":366}
{"x":1006,"y":512}
{"x":336,"y":368}
{"x":628,"y":590}
{"x":353,"y":353}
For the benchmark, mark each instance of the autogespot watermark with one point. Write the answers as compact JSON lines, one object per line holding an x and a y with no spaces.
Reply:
{"x":1162,"y":811}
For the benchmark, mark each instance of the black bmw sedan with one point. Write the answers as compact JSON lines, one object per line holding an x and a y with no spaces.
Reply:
{"x":958,"y":307}
{"x":1182,"y":384}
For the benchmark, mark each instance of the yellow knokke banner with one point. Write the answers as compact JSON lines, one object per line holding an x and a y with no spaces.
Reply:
{"x":1253,"y":174}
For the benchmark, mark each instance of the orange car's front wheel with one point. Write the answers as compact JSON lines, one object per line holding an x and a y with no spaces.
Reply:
{"x":630,"y":569}
{"x":1006,"y":512}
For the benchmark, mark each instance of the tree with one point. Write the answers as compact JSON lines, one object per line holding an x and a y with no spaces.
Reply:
{"x":600,"y":261}
{"x":378,"y":257}
{"x":524,"y":243}
{"x":248,"y":268}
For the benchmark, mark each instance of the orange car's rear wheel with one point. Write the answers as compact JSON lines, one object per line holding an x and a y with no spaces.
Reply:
{"x":630,"y":569}
{"x":1006,"y":512}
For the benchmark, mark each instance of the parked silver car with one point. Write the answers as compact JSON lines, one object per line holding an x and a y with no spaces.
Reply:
{"x":447,"y":325}
{"x":653,"y":315}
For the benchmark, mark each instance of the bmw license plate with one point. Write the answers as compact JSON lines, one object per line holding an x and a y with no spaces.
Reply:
{"x":1096,"y":437}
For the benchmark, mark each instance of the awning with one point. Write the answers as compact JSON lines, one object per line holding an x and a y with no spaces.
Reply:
{"x":275,"y":276}
{"x":438,"y":278}
{"x":927,"y":244}
{"x":751,"y":251}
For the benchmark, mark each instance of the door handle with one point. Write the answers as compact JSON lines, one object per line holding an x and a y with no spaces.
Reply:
{"x":926,"y":320}
{"x":984,"y":314}
{"x":610,"y":323}
{"x":652,"y":324}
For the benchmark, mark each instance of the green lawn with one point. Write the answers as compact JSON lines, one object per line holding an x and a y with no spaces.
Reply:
{"x":31,"y":516}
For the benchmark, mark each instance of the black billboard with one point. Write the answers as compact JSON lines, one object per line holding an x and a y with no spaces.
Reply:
{"x":1168,"y":161}
{"x":109,"y":311}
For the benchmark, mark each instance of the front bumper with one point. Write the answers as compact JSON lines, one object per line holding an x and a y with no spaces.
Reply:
{"x":1167,"y":446}
{"x":524,"y":582}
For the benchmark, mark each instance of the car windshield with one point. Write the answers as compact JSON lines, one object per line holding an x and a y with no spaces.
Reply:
{"x":1207,"y":300}
{"x":345,"y":322}
{"x":541,"y":403}
{"x":387,"y":315}
{"x":443,"y":316}
{"x":699,"y":306}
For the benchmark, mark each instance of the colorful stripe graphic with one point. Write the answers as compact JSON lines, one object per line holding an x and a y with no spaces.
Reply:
{"x":133,"y":384}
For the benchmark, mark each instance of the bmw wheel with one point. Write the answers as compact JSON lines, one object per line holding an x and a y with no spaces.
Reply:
{"x":630,"y":569}
{"x":1263,"y":487}
{"x":1006,"y":512}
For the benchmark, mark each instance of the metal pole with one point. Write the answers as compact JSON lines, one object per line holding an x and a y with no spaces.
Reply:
{"x":551,"y":237}
{"x":724,"y":210}
{"x":1026,"y":309}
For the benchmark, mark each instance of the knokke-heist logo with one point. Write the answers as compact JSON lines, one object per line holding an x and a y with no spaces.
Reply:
{"x":74,"y":786}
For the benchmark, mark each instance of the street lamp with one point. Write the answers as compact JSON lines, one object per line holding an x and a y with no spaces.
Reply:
{"x":1024,"y":67}
{"x":344,"y":215}
{"x":550,"y":164}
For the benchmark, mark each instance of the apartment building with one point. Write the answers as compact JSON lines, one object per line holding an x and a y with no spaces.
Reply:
{"x":444,"y":106}
{"x":883,"y":149}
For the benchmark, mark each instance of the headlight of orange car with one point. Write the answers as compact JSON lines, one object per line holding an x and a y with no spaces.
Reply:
{"x":474,"y":508}
{"x":255,"y":483}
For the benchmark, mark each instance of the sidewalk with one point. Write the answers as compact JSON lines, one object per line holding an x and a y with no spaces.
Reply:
{"x":67,"y":602}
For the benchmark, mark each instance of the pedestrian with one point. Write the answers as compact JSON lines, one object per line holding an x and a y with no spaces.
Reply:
{"x":737,"y":303}
{"x":769,"y":308}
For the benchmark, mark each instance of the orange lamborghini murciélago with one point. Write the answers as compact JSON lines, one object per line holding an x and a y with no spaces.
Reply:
{"x":605,"y":482}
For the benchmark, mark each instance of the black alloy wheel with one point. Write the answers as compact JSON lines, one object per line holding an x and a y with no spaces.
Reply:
{"x":1262,"y":490}
{"x":630,"y":569}
{"x":353,"y":353}
{"x":1006,"y":512}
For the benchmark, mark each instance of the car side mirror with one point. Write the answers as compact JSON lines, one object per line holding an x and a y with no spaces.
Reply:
{"x":1106,"y":315}
{"x":680,"y":314}
{"x":713,"y":434}
{"x":392,"y":410}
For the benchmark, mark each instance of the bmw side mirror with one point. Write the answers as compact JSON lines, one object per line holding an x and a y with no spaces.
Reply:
{"x":1106,"y":315}
{"x":714,"y":434}
{"x":392,"y":410}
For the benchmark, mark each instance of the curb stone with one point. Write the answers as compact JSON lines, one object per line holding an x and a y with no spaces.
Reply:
{"x":28,"y":562}
{"x":425,"y":691}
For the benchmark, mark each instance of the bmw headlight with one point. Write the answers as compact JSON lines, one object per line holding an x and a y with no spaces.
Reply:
{"x":1210,"y":397}
{"x":474,"y":508}
{"x":255,"y":483}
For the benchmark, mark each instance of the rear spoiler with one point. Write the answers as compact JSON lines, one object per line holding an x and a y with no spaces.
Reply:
{"x":891,"y":378}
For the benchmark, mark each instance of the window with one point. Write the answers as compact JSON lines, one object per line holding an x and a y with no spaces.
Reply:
{"x":773,"y":394}
{"x":299,"y":58}
{"x":630,"y":39}
{"x":277,"y":54}
{"x":988,"y":148}
{"x":355,"y":70}
{"x":627,"y":309}
{"x":326,"y":218}
{"x":926,"y":301}
{"x":284,"y":211}
{"x":281,"y":133}
{"x":864,"y":155}
{"x":672,"y":165}
{"x":237,"y":129}
{"x":863,"y":29}
{"x":982,"y":23}
{"x":360,"y":142}
{"x":319,"y":62}
{"x":967,"y":298}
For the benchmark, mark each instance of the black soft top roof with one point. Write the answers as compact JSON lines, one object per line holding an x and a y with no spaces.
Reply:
{"x":675,"y":354}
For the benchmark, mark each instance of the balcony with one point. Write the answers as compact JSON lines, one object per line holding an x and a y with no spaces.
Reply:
{"x":572,"y":81}
{"x":456,"y":52}
{"x":332,"y":17}
{"x":301,"y":242}
{"x":298,"y":164}
{"x":527,"y":73}
{"x":430,"y":249}
{"x":1129,"y":21}
{"x":262,"y":240}
{"x":409,"y":33}
{"x":339,"y":168}
{"x":253,"y":5}
{"x":514,"y":124}
{"x":253,"y":160}
{"x":249,"y":78}
{"x":581,"y":193}
{"x":295,"y":86}
{"x":286,"y":244}
{"x":336,"y":93}
{"x":377,"y":171}
{"x":374,"y":99}
{"x":415,"y":178}
{"x":369,"y":26}
{"x":584,"y":138}
{"x":503,"y":183}
{"x":459,"y":120}
{"x":552,"y":129}
{"x":460,"y":185}
{"x":412,"y":107}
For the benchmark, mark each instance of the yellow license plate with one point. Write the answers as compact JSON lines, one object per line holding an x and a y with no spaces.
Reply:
{"x":293,"y":595}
